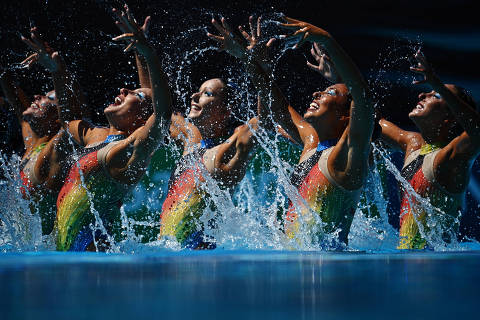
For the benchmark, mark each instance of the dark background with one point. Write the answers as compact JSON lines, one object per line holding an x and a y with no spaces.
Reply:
{"x":378,"y":35}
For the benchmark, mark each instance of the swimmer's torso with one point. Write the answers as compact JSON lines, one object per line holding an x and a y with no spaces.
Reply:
{"x":43,"y":198}
{"x":418,"y":171}
{"x":185,"y":202}
{"x":88,"y":191}
{"x":322,"y":200}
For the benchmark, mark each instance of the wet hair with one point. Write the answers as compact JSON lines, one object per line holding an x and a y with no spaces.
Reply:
{"x":466,"y":97}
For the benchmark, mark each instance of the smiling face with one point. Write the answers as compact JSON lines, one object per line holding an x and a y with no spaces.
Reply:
{"x":208,"y":106}
{"x":431,"y":109}
{"x":329,"y":106}
{"x":42,"y":113}
{"x":130,"y":109}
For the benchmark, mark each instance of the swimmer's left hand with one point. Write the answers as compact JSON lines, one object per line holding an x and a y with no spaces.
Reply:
{"x":325,"y":66}
{"x":423,"y":67}
{"x":132,"y":33}
{"x":227,"y":40}
{"x":44,"y":55}
{"x":257,"y":46}
{"x":305,"y":31}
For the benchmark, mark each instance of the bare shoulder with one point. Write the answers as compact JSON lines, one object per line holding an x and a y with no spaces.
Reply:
{"x":414,"y":142}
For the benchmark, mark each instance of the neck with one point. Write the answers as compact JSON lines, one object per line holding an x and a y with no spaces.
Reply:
{"x":328,"y":131}
{"x":34,"y":140}
{"x":434,"y":135}
{"x":213,"y":132}
{"x":114,"y":131}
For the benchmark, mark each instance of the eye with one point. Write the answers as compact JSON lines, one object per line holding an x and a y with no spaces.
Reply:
{"x":209,"y":93}
{"x":140,"y":95}
{"x":51,"y":97}
{"x":332,"y":92}
{"x":437,"y":95}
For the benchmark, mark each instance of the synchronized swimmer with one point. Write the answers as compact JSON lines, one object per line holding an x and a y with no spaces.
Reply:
{"x":77,"y":174}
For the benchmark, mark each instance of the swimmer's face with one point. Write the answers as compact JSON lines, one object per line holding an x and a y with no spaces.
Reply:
{"x":131,"y":108}
{"x":42,"y":112}
{"x":208,"y":106}
{"x":431,"y":108}
{"x":330,"y":104}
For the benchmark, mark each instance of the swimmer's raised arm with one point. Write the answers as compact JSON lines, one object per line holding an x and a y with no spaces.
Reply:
{"x":466,"y":116}
{"x":128,"y":160}
{"x":71,"y":101}
{"x":142,"y":68}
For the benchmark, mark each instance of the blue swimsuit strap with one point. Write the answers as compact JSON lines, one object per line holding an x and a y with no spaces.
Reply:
{"x":325,"y":144}
{"x":114,"y":137}
{"x":210,"y":143}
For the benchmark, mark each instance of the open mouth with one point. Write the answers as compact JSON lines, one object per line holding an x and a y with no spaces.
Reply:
{"x":118,"y":101}
{"x":196,"y":107}
{"x":314,"y":106}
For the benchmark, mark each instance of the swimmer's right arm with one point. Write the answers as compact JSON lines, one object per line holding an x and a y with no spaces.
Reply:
{"x":128,"y":160}
{"x":399,"y":139}
{"x":71,"y":101}
{"x":142,"y":68}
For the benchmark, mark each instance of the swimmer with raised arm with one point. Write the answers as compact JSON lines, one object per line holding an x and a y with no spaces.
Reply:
{"x":335,"y":133}
{"x":111,"y":160}
{"x":438,"y":159}
{"x":213,"y":147}
{"x":42,"y":168}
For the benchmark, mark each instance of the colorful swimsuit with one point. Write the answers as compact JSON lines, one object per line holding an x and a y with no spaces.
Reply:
{"x":332,"y":204}
{"x":88,"y":191}
{"x":185,"y":203}
{"x":44,"y":199}
{"x":418,"y":171}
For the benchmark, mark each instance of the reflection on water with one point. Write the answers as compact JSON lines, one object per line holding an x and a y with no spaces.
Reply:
{"x":240,"y":285}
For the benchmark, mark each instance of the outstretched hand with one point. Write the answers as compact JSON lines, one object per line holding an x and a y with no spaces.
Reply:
{"x":227,"y":40}
{"x":325,"y":66}
{"x":133,"y":34}
{"x":44,"y":55}
{"x":423,"y":67}
{"x":304,"y":31}
{"x":256,"y":46}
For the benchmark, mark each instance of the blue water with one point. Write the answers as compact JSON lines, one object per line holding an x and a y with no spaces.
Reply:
{"x":239,"y":285}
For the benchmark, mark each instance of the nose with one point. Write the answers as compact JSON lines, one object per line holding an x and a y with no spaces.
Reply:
{"x":37,"y":97}
{"x":317,"y":94}
{"x":195,"y":96}
{"x":124,"y":91}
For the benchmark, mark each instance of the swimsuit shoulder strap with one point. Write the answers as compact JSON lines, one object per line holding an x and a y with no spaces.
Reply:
{"x":412,"y":156}
{"x":429,"y":173}
{"x":103,"y":152}
{"x":323,"y":166}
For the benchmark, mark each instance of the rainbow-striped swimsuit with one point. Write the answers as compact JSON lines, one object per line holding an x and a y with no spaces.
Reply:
{"x":185,"y":203}
{"x":322,"y":201}
{"x":445,"y":206}
{"x":88,"y":191}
